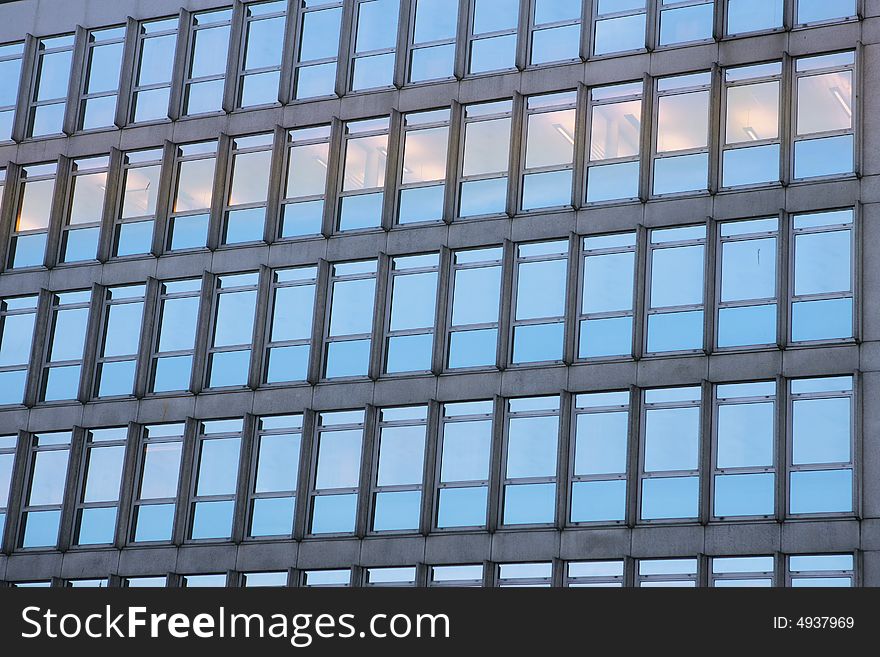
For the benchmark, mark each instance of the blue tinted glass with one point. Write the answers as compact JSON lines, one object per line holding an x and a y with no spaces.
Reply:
{"x":99,"y":112}
{"x":744,"y":495}
{"x":47,"y":120}
{"x":685,"y":173}
{"x":301,"y":219}
{"x":28,"y":250}
{"x":605,"y":337}
{"x":157,"y":60}
{"x":493,"y":54}
{"x":229,"y":368}
{"x":473,"y":348}
{"x":529,"y":504}
{"x":135,"y":238}
{"x":320,"y":34}
{"x":672,"y":439}
{"x":812,"y":11}
{"x":151,"y":105}
{"x":41,"y":529}
{"x":552,"y":11}
{"x":675,"y":331}
{"x":334,"y":514}
{"x":288,"y":364}
{"x":12,"y":387}
{"x":598,"y":501}
{"x":244,"y":225}
{"x":823,"y":157}
{"x":753,"y":15}
{"x":209,"y":52}
{"x":434,"y":21}
{"x":466,"y":447}
{"x":821,"y":431}
{"x":235,"y":317}
{"x":6,"y":119}
{"x":830,"y":319}
{"x":16,"y":333}
{"x":745,"y":435}
{"x":619,"y":34}
{"x":686,"y":24}
{"x":362,"y":211}
{"x":462,"y":507}
{"x":556,"y":44}
{"x":421,"y":204}
{"x":212,"y":519}
{"x":172,"y":373}
{"x":116,"y":378}
{"x":315,"y":81}
{"x":545,"y":190}
{"x":349,"y":358}
{"x":264,"y":39}
{"x":476,"y":296}
{"x":495,"y":15}
{"x":600,"y":445}
{"x":670,"y":497}
{"x":751,"y":166}
{"x":97,"y":526}
{"x":189,"y":232}
{"x":398,"y":510}
{"x":432,"y":63}
{"x":62,"y":383}
{"x":272,"y":516}
{"x":613,"y":182}
{"x":203,"y":97}
{"x":10,"y":72}
{"x":409,"y":353}
{"x":821,"y":491}
{"x":260,"y":89}
{"x":739,"y":327}
{"x":481,"y":197}
{"x":537,"y":342}
{"x":372,"y":72}
{"x":154,"y":522}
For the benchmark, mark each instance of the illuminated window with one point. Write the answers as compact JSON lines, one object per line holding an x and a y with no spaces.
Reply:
{"x":133,"y":230}
{"x":485,"y":159}
{"x":302,"y":203}
{"x":615,"y":143}
{"x":423,"y":170}
{"x":192,"y":196}
{"x":248,"y":189}
{"x":549,"y":151}
{"x":365,"y":156}
{"x":85,"y":209}
{"x":36,"y":188}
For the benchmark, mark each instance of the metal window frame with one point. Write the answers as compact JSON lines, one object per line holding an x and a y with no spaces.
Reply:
{"x":412,"y":46}
{"x":354,"y":55}
{"x":33,"y":104}
{"x":597,"y":18}
{"x":527,"y":582}
{"x":140,"y":38}
{"x":10,"y":502}
{"x":534,"y":27}
{"x":211,"y":350}
{"x":388,"y":334}
{"x":663,"y":8}
{"x":83,"y":95}
{"x":107,"y":302}
{"x":57,"y":306}
{"x":179,"y":158}
{"x":157,"y":326}
{"x":401,"y":186}
{"x":368,"y":573}
{"x":605,"y":580}
{"x":5,"y":312}
{"x":144,"y":440}
{"x":18,"y":199}
{"x":725,"y":148}
{"x":73,"y":172}
{"x":305,"y":578}
{"x":668,"y":577}
{"x":471,"y":37}
{"x":19,"y":56}
{"x":328,"y":339}
{"x":254,"y":469}
{"x":796,"y":23}
{"x":82,"y":479}
{"x":241,"y":71}
{"x":277,"y":344}
{"x":188,"y":79}
{"x":32,"y":447}
{"x":285,"y":199}
{"x":229,"y":177}
{"x":341,"y":194}
{"x":791,"y":575}
{"x":714,"y":577}
{"x":298,"y":62}
{"x":697,"y":472}
{"x":780,"y":28}
{"x":457,"y":583}
{"x":125,"y":166}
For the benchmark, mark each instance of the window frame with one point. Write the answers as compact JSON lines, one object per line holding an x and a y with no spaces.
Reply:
{"x":168,"y":434}
{"x":154,"y":157}
{"x":155,"y":354}
{"x":181,"y":157}
{"x":189,"y":80}
{"x":461,"y":180}
{"x":327,"y":339}
{"x":13,"y":109}
{"x":342,"y":194}
{"x":84,"y":95}
{"x":5,"y":312}
{"x":43,"y":171}
{"x":684,"y":4}
{"x":242,"y":72}
{"x":270,"y":344}
{"x":25,"y":508}
{"x":81,"y":505}
{"x":243,"y":145}
{"x":57,"y":305}
{"x":597,"y":18}
{"x":108,"y":301}
{"x":412,"y":46}
{"x":212,"y":349}
{"x":140,"y":38}
{"x":67,"y":42}
{"x":471,"y":37}
{"x":299,"y":63}
{"x":398,"y":269}
{"x":354,"y":55}
{"x":402,"y":187}
{"x":94,"y":165}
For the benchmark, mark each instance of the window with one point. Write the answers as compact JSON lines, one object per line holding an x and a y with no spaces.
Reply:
{"x":375,"y":39}
{"x":317,"y":49}
{"x":348,"y":336}
{"x":302,"y":205}
{"x":458,"y":576}
{"x":754,"y":15}
{"x":10,"y":72}
{"x":474,"y":316}
{"x":823,"y":139}
{"x":119,"y":343}
{"x":232,"y":332}
{"x":248,"y":185}
{"x":556,"y":31}
{"x":820,"y":11}
{"x":750,"y":147}
{"x":217,"y":581}
{"x":206,"y":66}
{"x":525,"y":575}
{"x":549,"y":151}
{"x":615,"y":143}
{"x":98,"y":501}
{"x":677,"y":573}
{"x":177,"y":318}
{"x":7,"y":465}
{"x":410,"y":324}
{"x":259,"y":74}
{"x":531,"y":444}
{"x":485,"y":160}
{"x":607,"y":296}
{"x":618,"y":26}
{"x":276,"y":473}
{"x":400,"y":459}
{"x":50,"y":86}
{"x":365,"y":155}
{"x":133,"y":232}
{"x":31,"y":585}
{"x":402,"y":576}
{"x":68,"y":319}
{"x":27,"y":244}
{"x":87,"y":583}
{"x":154,"y":68}
{"x":432,"y":40}
{"x":686,"y":21}
{"x":821,"y":466}
{"x":193,"y":195}
{"x":539,"y":302}
{"x":158,"y":468}
{"x":274,"y":580}
{"x":745,"y":450}
{"x":337,"y":473}
{"x":749,"y":572}
{"x":822,"y":300}
{"x":599,"y":456}
{"x":821,"y":570}
{"x":747,"y":295}
{"x":423,"y":170}
{"x":215,"y":474}
{"x":48,"y":456}
{"x":492,"y":38}
{"x":594,"y":574}
{"x":465,"y":448}
{"x":85,"y":209}
{"x":670,"y":457}
{"x":292,"y":311}
{"x":675,"y":307}
{"x":100,"y":90}
{"x":17,"y":318}
{"x":681,"y":146}
{"x":144,"y":582}
{"x":326,"y":578}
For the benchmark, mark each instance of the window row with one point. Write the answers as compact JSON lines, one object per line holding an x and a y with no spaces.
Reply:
{"x":252,"y":55}
{"x":801,"y":570}
{"x":724,"y":286}
{"x":755,"y":450}
{"x":342,"y":176}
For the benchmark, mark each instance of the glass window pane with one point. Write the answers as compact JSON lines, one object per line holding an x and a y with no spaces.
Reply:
{"x":683,"y":122}
{"x":486,"y":147}
{"x":753,"y":112}
{"x":824,"y":103}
